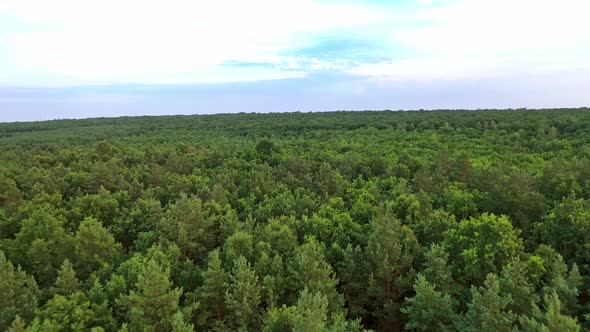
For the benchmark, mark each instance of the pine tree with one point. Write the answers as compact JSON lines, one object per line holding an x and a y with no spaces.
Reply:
{"x":18,"y":293}
{"x":514,"y":282}
{"x":243,"y":297}
{"x":66,"y":282}
{"x":487,"y":311}
{"x":310,"y":270}
{"x":154,"y":301}
{"x":311,"y":313}
{"x":95,"y":247}
{"x":391,"y":250}
{"x":239,"y":244}
{"x":566,"y":285}
{"x":212,"y":293}
{"x":551,"y":320}
{"x":353,"y":273}
{"x":185,"y":224}
{"x":429,"y":309}
{"x":18,"y":325}
{"x":179,"y":324}
{"x":279,"y":319}
{"x":437,"y":269}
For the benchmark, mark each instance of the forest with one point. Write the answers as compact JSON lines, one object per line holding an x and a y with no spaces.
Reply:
{"x":447,"y":220}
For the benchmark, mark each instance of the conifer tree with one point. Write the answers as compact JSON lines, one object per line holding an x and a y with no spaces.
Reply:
{"x":212,"y":293}
{"x":154,"y":301}
{"x":18,"y":325}
{"x":429,"y":309}
{"x":550,"y":320}
{"x":95,"y":247}
{"x":179,"y":324}
{"x":310,"y":270}
{"x":243,"y":297}
{"x":437,"y":269}
{"x":311,"y":312}
{"x":391,"y":250}
{"x":66,"y":282}
{"x":487,"y":311}
{"x":18,"y":293}
{"x":565,"y":284}
{"x":514,"y":282}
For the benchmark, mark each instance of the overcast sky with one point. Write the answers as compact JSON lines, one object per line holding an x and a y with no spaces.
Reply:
{"x":72,"y":58}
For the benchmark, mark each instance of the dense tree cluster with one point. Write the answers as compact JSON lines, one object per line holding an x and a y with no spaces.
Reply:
{"x":343,"y":221}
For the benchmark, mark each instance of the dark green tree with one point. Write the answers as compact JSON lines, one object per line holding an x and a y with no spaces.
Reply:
{"x":391,"y":250}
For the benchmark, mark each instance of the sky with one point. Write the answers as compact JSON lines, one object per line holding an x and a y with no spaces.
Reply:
{"x":76,"y":59}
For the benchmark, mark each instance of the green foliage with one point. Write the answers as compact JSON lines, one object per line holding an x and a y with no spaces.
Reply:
{"x":550,"y":320}
{"x":18,"y":325}
{"x":282,"y":222}
{"x":95,"y":247}
{"x":311,"y":312}
{"x":153,"y":301}
{"x":429,"y":309}
{"x":18,"y":294}
{"x":391,"y":250}
{"x":239,"y":244}
{"x":186,"y":226}
{"x":74,"y":312}
{"x":482,"y":245}
{"x":310,"y":271}
{"x":243,"y":297}
{"x":212,"y":294}
{"x":66,"y":282}
{"x":488,"y":310}
{"x":515,"y":282}
{"x":437,"y":269}
{"x":565,"y":284}
{"x":280,"y":319}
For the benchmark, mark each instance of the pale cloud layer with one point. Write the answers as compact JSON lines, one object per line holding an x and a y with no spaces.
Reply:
{"x":431,"y":50}
{"x":168,"y":41}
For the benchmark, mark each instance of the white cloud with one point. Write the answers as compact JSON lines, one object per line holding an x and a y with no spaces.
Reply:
{"x":105,"y":41}
{"x":183,"y":41}
{"x":483,"y":39}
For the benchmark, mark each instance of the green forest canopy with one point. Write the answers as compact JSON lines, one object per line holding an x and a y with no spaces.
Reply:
{"x":340,"y":221}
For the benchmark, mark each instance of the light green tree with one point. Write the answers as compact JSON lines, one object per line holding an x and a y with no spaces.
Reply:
{"x":514,"y":281}
{"x":310,"y":270}
{"x":482,"y":245}
{"x":487,"y":311}
{"x":66,"y":282}
{"x":212,"y":294}
{"x":551,"y":319}
{"x":153,"y":302}
{"x":437,"y":269}
{"x":311,"y":312}
{"x":429,"y":309}
{"x":18,"y":293}
{"x":95,"y":247}
{"x":243,"y":297}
